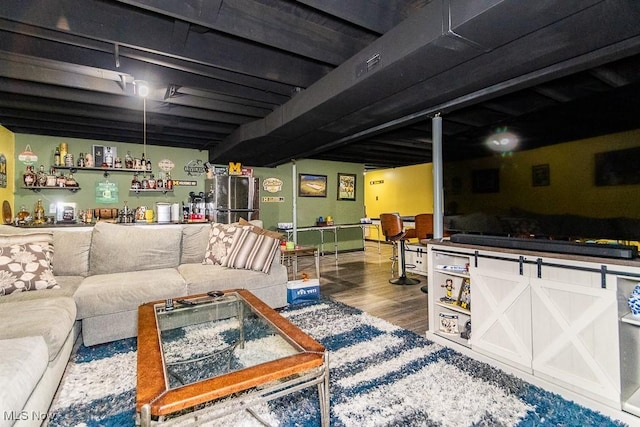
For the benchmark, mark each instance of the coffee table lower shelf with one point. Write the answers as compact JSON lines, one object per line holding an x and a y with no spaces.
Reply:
{"x":230,"y":391}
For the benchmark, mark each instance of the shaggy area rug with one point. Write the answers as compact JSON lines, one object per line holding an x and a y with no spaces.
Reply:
{"x":380,"y":375}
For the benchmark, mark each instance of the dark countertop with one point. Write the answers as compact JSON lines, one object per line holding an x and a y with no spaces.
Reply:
{"x":635,"y":262}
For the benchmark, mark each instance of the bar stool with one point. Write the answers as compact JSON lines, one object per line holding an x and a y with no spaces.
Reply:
{"x":394,"y":232}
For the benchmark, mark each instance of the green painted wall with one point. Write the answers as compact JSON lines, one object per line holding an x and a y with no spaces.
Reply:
{"x":85,"y":198}
{"x":277,"y":208}
{"x":310,"y":208}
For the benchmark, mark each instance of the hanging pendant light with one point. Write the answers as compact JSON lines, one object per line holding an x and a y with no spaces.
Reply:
{"x":141,"y":88}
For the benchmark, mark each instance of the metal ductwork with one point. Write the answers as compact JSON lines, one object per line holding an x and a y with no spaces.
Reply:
{"x":432,"y":61}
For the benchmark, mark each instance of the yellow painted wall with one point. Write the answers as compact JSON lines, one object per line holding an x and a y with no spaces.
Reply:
{"x":407,"y":190}
{"x":572,"y":188}
{"x":7,"y":147}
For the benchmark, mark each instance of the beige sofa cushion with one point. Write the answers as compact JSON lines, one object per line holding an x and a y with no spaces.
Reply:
{"x":24,"y":361}
{"x":117,"y":292}
{"x":52,"y":318}
{"x":68,"y":286}
{"x":71,"y":252}
{"x":117,"y":248}
{"x":195,"y":238}
{"x":202,"y":278}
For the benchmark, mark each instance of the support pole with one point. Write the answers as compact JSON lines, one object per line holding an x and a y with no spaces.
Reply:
{"x":438,"y":206}
{"x":294,"y":195}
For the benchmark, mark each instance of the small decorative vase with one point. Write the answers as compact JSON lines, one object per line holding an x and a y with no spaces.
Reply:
{"x":634,"y":301}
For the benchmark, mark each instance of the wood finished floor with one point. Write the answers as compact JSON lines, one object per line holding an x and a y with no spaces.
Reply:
{"x":361,"y":279}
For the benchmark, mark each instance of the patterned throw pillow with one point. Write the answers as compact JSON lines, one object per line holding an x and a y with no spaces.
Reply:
{"x":253,"y":250}
{"x":25,"y":263}
{"x":221,"y":238}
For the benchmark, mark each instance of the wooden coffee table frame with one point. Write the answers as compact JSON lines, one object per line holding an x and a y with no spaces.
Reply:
{"x":260,"y":383}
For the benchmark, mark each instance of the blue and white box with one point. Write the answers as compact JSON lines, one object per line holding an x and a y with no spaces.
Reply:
{"x":303,"y":290}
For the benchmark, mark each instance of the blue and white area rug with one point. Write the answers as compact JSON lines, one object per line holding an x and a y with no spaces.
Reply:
{"x":380,"y":375}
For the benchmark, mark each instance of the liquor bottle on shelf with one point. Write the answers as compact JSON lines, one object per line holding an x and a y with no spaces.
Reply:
{"x":108,"y":157}
{"x":117,"y":163}
{"x":128,"y":161}
{"x":70,"y":181}
{"x":81,"y":160}
{"x":29,"y":177}
{"x":148,"y":165}
{"x":56,"y":157}
{"x":169,"y":183}
{"x":135,"y":184}
{"x":61,"y":181}
{"x":42,"y":177}
{"x":23,"y":215}
{"x":51,"y":178}
{"x":38,"y":213}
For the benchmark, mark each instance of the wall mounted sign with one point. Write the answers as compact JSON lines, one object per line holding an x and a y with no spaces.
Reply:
{"x":106,"y":192}
{"x":195,"y":168}
{"x":378,"y":181}
{"x":3,"y":171}
{"x":220,"y":170}
{"x":272,"y":199}
{"x":272,"y":185}
{"x":27,"y":156}
{"x":181,"y":183}
{"x":166,"y":165}
{"x":235,"y":168}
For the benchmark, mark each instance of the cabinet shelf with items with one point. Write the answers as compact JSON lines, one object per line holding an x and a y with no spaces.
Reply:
{"x":629,"y":344}
{"x":560,"y":321}
{"x":450,"y":297}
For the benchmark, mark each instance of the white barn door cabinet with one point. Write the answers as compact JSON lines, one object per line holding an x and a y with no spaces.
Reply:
{"x":562,"y":319}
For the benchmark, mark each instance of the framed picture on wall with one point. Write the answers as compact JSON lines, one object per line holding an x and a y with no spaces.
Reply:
{"x":346,"y":186}
{"x":540,"y":176}
{"x":485,"y":181}
{"x":312,"y":185}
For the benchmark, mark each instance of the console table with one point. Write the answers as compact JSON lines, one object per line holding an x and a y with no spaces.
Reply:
{"x":292,"y":254}
{"x":333,"y":229}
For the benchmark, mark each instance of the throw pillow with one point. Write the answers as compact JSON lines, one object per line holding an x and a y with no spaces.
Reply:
{"x":221,"y":238}
{"x":260,"y":230}
{"x":25,"y":263}
{"x":253,"y":251}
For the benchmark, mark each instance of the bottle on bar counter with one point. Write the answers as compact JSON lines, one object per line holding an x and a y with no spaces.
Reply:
{"x":38,"y":213}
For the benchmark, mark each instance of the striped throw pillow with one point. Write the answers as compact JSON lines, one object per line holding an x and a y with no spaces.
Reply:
{"x":252,"y":251}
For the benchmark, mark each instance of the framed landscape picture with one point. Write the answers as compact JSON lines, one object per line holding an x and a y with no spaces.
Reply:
{"x":312,"y":185}
{"x":346,"y":186}
{"x":540,"y":176}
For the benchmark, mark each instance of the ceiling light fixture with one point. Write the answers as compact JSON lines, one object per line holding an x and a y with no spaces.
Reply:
{"x":502,"y":141}
{"x":142,"y":90}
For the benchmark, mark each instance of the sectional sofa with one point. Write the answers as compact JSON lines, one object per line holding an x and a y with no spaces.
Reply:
{"x":99,"y":277}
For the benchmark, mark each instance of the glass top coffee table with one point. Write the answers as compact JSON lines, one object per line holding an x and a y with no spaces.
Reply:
{"x":205,"y":356}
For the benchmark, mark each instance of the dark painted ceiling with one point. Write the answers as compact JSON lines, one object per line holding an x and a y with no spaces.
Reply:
{"x":266,"y":81}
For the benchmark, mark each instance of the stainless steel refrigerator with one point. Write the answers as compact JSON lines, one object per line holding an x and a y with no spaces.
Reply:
{"x":229,"y":198}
